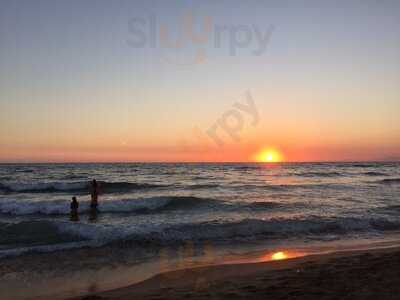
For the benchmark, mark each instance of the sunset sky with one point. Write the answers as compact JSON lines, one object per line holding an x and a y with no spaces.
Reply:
{"x":76,"y":86}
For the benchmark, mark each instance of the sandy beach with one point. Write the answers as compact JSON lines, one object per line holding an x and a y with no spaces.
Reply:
{"x":365,"y":274}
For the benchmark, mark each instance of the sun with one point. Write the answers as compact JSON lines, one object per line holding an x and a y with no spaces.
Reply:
{"x":269,"y":156}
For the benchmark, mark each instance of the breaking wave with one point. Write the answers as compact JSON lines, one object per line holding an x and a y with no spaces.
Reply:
{"x":319,"y":174}
{"x":80,"y":186}
{"x":390,"y":181}
{"x":140,"y":205}
{"x":375,"y":174}
{"x":52,"y":232}
{"x":201,"y":186}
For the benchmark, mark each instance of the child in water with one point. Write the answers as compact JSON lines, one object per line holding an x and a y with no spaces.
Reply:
{"x":74,"y":209}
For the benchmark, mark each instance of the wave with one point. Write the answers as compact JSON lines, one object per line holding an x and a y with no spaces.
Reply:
{"x":150,"y":205}
{"x":319,"y":174}
{"x":30,"y":233}
{"x":73,"y":176}
{"x":201,"y":177}
{"x":20,"y":187}
{"x":389,"y":209}
{"x":291,"y":187}
{"x":253,"y":167}
{"x":364,"y":165}
{"x":374,"y":174}
{"x":389,"y":181}
{"x":272,"y":187}
{"x":264,"y":205}
{"x":140,"y":205}
{"x":201,"y":186}
{"x":248,"y":229}
{"x":52,"y":232}
{"x":24,"y":170}
{"x":79,"y":186}
{"x":252,"y":229}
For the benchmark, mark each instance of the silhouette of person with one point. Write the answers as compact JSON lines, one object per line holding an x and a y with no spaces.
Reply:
{"x":93,"y":215}
{"x":74,"y":209}
{"x":94,"y":193}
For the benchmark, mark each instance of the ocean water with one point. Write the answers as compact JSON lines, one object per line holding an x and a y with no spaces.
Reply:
{"x":148,"y":205}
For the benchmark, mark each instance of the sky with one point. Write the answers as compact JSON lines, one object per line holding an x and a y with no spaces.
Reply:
{"x":108,"y":81}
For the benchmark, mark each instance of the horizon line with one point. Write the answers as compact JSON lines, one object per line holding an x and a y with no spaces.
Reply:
{"x":198,"y":162}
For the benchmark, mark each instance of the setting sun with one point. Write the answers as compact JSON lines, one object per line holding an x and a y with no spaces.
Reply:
{"x":269,"y":155}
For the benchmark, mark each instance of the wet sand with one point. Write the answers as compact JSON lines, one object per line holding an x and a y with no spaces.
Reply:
{"x":365,"y":274}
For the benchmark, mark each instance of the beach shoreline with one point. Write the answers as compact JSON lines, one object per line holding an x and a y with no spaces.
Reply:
{"x":356,"y":274}
{"x":81,"y":272}
{"x":111,"y":270}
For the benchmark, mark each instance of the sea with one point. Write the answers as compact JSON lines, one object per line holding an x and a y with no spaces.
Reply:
{"x":150,"y":205}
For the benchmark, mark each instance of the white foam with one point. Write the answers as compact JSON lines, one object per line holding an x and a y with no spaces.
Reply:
{"x":247,"y":229}
{"x":17,"y":186}
{"x":61,"y":206}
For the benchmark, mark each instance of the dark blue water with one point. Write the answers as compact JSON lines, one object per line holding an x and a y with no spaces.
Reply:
{"x":173,"y":203}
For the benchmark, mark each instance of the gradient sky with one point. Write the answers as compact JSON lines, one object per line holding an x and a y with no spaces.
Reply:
{"x":72,"y":87}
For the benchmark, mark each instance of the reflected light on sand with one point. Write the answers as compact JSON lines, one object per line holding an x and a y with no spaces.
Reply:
{"x":281,"y":255}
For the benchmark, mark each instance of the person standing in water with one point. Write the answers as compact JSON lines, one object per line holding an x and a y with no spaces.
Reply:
{"x":94,"y":193}
{"x":74,"y":209}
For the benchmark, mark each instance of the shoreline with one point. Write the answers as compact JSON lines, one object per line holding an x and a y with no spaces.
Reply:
{"x":78,"y":273}
{"x":355,"y":274}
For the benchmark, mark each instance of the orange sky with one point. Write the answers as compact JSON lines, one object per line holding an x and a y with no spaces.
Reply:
{"x":81,"y":92}
{"x":188,"y":154}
